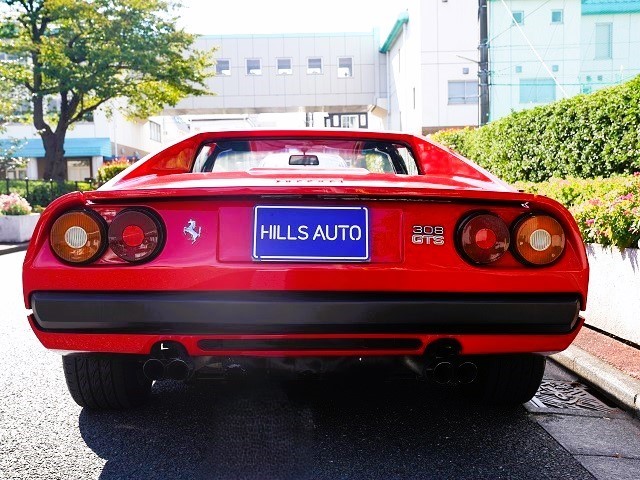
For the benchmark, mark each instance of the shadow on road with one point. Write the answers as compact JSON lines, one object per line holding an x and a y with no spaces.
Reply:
{"x":341,"y":428}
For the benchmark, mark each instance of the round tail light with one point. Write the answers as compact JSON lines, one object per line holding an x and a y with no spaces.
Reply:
{"x":539,"y":239}
{"x":78,"y":236}
{"x":483,"y":238}
{"x":136,"y":235}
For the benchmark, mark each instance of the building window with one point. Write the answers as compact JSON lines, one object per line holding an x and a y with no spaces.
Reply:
{"x":555,"y":68}
{"x":78,"y":169}
{"x":557,"y":16}
{"x":603,"y":40}
{"x":463,"y":92}
{"x":465,"y":70}
{"x":223,"y":68}
{"x":155,"y":131}
{"x":254,"y":66}
{"x":518,"y":17}
{"x":347,"y":120}
{"x":518,"y":68}
{"x":284,"y":66}
{"x":314,"y":65}
{"x":599,"y":77}
{"x":537,"y":90}
{"x":345,"y":67}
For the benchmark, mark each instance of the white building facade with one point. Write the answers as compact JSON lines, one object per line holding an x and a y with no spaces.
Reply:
{"x":432,"y":51}
{"x":545,"y":51}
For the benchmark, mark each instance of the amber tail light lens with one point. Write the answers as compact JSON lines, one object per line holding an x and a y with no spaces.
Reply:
{"x":483,"y":238}
{"x":539,"y":239}
{"x":78,"y":236}
{"x":136,"y":235}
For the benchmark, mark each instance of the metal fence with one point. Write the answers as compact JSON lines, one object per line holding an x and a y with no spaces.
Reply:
{"x":43,"y":192}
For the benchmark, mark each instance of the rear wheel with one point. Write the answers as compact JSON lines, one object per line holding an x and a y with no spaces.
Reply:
{"x":508,"y":379}
{"x":105,"y":382}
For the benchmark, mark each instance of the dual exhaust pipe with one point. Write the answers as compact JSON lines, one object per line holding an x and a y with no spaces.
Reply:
{"x":173,"y":368}
{"x":445,"y":372}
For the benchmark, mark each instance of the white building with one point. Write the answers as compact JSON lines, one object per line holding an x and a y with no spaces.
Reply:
{"x":545,"y":51}
{"x":89,"y":144}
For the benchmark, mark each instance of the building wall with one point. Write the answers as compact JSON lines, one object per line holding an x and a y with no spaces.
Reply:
{"x":569,"y":50}
{"x":268,"y":91}
{"x":450,"y":36}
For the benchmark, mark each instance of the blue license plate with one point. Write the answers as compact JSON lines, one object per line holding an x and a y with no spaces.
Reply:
{"x":311,"y":234}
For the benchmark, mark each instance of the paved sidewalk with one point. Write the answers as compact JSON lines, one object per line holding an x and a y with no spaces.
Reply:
{"x":610,"y":365}
{"x":12,"y":247}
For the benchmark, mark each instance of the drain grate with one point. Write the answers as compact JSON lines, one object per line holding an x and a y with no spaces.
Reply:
{"x":568,"y":396}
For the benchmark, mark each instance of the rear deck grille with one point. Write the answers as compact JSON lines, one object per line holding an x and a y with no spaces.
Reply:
{"x":307,"y":344}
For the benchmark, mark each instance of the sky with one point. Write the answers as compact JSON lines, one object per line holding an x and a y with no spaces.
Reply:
{"x":224,"y":17}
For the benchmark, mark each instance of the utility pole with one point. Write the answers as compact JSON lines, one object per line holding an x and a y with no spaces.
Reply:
{"x":483,"y":65}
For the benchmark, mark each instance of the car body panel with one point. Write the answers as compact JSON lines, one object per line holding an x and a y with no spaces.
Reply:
{"x":222,"y":205}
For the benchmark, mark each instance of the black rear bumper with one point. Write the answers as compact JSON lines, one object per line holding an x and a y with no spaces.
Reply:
{"x":303,"y":312}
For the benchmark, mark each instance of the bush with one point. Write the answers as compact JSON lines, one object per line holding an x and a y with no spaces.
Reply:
{"x":586,"y":136}
{"x":14,"y":204}
{"x":607,"y":210}
{"x":110,"y":169}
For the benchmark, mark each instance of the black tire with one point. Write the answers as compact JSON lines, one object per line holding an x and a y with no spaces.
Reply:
{"x":508,"y":380}
{"x":106,"y":382}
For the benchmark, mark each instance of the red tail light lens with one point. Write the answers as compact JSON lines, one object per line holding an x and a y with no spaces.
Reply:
{"x":539,"y":239}
{"x":136,"y":235}
{"x":483,"y":238}
{"x":78,"y":236}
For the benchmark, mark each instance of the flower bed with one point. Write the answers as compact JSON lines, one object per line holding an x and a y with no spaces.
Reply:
{"x":16,"y":220}
{"x":607,"y":210}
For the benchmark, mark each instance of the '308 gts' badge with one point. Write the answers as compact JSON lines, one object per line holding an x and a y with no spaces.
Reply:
{"x":427,"y":235}
{"x":190,"y":230}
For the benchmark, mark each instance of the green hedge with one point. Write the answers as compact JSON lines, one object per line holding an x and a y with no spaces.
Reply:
{"x":586,"y":136}
{"x":607,"y":210}
{"x":109,"y":170}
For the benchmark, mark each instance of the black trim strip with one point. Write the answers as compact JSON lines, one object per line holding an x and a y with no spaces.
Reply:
{"x":302,"y":344}
{"x":303,"y":312}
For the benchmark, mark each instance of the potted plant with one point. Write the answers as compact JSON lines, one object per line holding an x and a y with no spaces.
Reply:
{"x":16,"y":220}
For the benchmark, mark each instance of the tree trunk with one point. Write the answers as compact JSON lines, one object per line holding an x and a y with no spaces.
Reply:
{"x":55,"y":165}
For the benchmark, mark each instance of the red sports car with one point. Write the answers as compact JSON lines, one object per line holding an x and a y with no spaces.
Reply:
{"x":307,"y":249}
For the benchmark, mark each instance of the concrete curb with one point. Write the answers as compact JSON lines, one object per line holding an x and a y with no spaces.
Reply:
{"x":621,"y":387}
{"x":13,"y":248}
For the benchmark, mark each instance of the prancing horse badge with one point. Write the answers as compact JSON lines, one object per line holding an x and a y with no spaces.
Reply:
{"x":190,"y":229}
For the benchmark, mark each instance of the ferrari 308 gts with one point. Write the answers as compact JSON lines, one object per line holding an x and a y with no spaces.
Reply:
{"x":312,"y":249}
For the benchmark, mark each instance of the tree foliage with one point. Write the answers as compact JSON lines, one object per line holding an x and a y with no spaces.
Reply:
{"x":84,"y":53}
{"x":584,"y":136}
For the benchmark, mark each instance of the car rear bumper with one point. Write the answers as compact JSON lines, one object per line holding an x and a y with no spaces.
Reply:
{"x":292,"y":313}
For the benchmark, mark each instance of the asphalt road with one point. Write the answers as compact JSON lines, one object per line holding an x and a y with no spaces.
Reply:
{"x":254,"y":428}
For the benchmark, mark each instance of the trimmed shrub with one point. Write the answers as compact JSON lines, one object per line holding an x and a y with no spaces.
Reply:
{"x":586,"y":136}
{"x":110,"y":169}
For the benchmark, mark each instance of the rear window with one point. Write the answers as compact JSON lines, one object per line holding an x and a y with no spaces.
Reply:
{"x":243,"y":155}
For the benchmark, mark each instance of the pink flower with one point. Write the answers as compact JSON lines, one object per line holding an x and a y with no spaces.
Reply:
{"x":595,"y":201}
{"x":591,"y":221}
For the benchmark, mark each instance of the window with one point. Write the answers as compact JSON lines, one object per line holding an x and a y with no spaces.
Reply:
{"x":463,"y":92}
{"x":518,"y":68}
{"x":537,"y":90}
{"x":518,"y":17}
{"x":223,"y":68}
{"x":345,"y":67}
{"x":314,"y":65}
{"x":253,"y":66}
{"x":557,"y":16}
{"x":465,"y":70}
{"x":284,"y":66}
{"x":347,"y":120}
{"x":155,"y":131}
{"x":555,"y":68}
{"x":78,"y":169}
{"x":603,"y":40}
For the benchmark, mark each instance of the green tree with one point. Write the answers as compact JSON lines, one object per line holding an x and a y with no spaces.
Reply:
{"x":80,"y":54}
